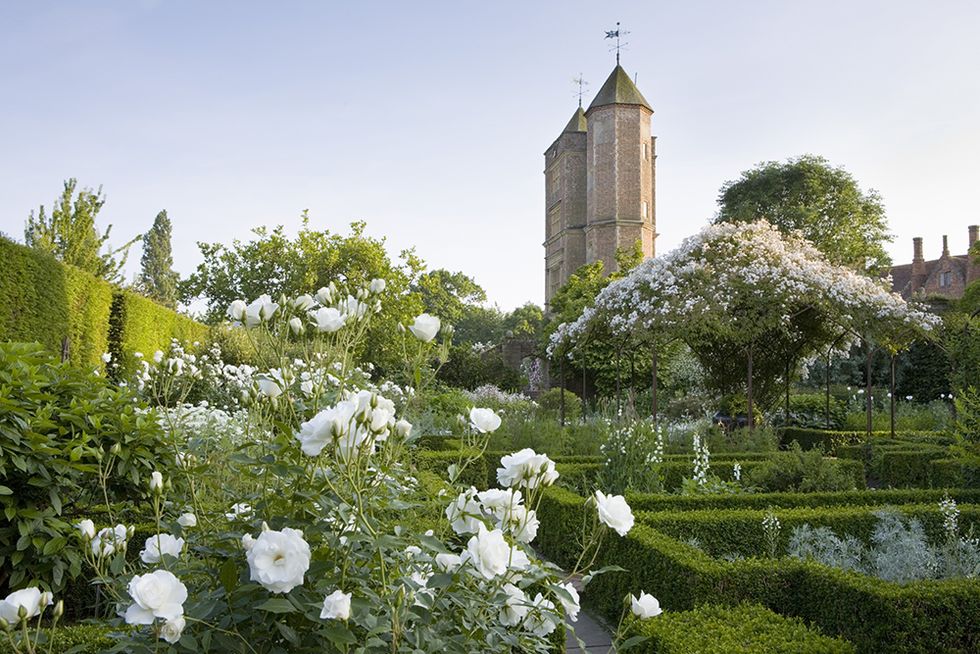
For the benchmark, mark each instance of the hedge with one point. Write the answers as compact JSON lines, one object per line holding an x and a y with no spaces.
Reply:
{"x":89,"y":639}
{"x":742,"y":629}
{"x":475,"y":474}
{"x":871,"y":497}
{"x":830,"y":440}
{"x":740,"y":532}
{"x":141,"y":325}
{"x":875,"y":615}
{"x":46,"y":301}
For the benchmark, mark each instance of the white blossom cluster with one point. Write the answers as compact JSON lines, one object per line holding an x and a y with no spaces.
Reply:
{"x":723,"y":271}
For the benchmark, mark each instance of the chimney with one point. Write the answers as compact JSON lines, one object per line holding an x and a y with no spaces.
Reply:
{"x":945,"y":245}
{"x":974,"y":229}
{"x":917,"y":250}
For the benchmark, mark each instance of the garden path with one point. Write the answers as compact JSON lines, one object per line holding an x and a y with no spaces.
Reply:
{"x":590,"y":631}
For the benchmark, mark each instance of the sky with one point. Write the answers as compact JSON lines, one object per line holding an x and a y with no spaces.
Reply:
{"x":428,"y":120}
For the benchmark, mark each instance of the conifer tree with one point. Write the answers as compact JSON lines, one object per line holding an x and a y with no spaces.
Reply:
{"x":157,"y":280}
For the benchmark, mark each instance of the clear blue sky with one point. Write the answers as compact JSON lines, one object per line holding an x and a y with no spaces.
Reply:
{"x":429,"y":120}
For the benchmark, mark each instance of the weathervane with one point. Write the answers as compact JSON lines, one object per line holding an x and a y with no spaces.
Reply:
{"x":581,"y":87}
{"x":616,"y":34}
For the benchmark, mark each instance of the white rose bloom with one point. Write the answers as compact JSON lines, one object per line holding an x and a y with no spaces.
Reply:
{"x":31,"y":600}
{"x":172,"y":630}
{"x":306,"y":387}
{"x":499,"y":502}
{"x":187,"y":520}
{"x":279,"y":559}
{"x":645,"y":606}
{"x":302,"y":303}
{"x":239,"y":509}
{"x":403,"y":428}
{"x":110,"y":540}
{"x":378,"y":285}
{"x":158,"y":594}
{"x":106,"y":357}
{"x":425,"y":327}
{"x":614,"y":512}
{"x":448,"y":562}
{"x":515,"y":606}
{"x":259,"y":311}
{"x":156,"y":481}
{"x":236,"y":310}
{"x":157,"y":356}
{"x":541,"y":621}
{"x":296,"y":325}
{"x":571,"y":607}
{"x":484,"y":420}
{"x":522,"y":523}
{"x":335,"y":424}
{"x":526,"y":468}
{"x":325,"y":295}
{"x":269,"y":388}
{"x":464,"y":513}
{"x":87,"y":527}
{"x":156,"y":546}
{"x":336,"y":606}
{"x":328,"y":319}
{"x":488,"y":553}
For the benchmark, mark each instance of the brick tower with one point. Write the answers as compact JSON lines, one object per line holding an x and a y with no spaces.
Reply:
{"x":599,"y":183}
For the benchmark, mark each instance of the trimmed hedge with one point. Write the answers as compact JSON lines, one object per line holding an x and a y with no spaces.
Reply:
{"x":46,"y":301}
{"x":742,"y":629}
{"x":872,"y":497}
{"x":740,"y":531}
{"x":141,"y":325}
{"x":830,"y":440}
{"x":89,"y":639}
{"x":877,"y":616}
{"x":475,"y":474}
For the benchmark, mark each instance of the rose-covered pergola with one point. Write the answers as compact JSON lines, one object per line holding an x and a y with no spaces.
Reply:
{"x":747,"y":291}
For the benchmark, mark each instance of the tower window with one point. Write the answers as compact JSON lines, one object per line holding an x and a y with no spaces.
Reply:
{"x":945,"y":279}
{"x":646,"y":152}
{"x":643,"y":208}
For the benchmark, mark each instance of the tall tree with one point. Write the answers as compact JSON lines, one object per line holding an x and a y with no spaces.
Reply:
{"x":157,"y":279}
{"x":824,"y":203}
{"x":71,"y":236}
{"x":448,"y":294}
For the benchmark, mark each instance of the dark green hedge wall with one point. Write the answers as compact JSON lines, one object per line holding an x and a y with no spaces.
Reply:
{"x":141,"y":325}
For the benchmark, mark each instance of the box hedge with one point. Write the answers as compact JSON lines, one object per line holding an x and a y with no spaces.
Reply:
{"x":877,"y":616}
{"x":742,"y":629}
{"x":830,"y":440}
{"x":141,"y":325}
{"x":79,"y":638}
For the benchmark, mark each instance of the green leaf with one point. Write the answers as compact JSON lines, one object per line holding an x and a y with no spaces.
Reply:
{"x":277,"y":605}
{"x":4,"y":490}
{"x":631,"y":642}
{"x":337,"y":632}
{"x":228,"y":575}
{"x":54,"y":545}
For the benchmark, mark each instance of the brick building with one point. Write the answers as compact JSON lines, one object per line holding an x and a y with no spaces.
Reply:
{"x":949,"y":275}
{"x":599,"y":183}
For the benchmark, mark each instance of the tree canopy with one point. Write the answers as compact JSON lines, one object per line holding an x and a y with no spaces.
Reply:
{"x":158,"y":280}
{"x":824,"y":203}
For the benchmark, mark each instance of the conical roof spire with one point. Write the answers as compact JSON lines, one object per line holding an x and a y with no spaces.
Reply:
{"x":619,"y":89}
{"x":577,"y":123}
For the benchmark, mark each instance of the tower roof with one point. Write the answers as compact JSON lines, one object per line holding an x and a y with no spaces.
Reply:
{"x":577,"y":123}
{"x":619,"y":89}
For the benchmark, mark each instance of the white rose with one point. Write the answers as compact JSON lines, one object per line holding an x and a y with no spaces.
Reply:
{"x":269,"y":388}
{"x":156,"y":546}
{"x":378,"y":285}
{"x":296,"y":325}
{"x":336,"y":606}
{"x":614,"y":512}
{"x":488,"y":553}
{"x":328,"y":319}
{"x":238,"y":510}
{"x":87,"y":527}
{"x":236,"y":310}
{"x":302,"y":302}
{"x":187,"y":520}
{"x":572,"y":606}
{"x":484,"y":420}
{"x":279,"y":559}
{"x":526,"y":468}
{"x":171,"y":630}
{"x":306,"y":387}
{"x":465,"y":513}
{"x":522,"y":523}
{"x":325,"y":295}
{"x":156,"y":481}
{"x":425,"y":327}
{"x":334,"y":424}
{"x":157,"y":356}
{"x":30,"y":599}
{"x":110,"y":540}
{"x":106,"y":357}
{"x":158,"y":594}
{"x":259,"y":311}
{"x":645,"y":606}
{"x":499,"y":502}
{"x":541,"y":620}
{"x":515,"y":606}
{"x":403,"y":428}
{"x":448,"y":562}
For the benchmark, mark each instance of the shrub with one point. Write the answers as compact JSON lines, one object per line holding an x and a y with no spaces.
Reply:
{"x":58,"y":425}
{"x":79,"y":639}
{"x":742,"y":629}
{"x":797,"y":470}
{"x":810,"y":410}
{"x":549,"y":404}
{"x":546,"y":435}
